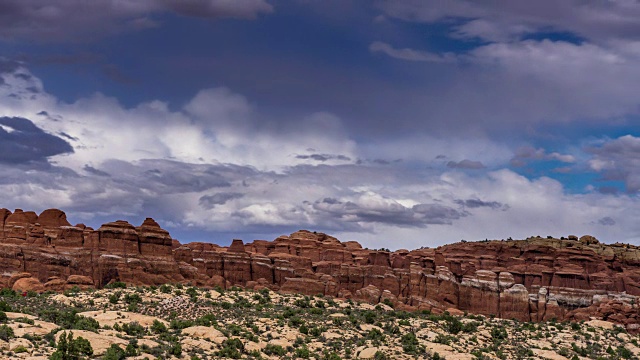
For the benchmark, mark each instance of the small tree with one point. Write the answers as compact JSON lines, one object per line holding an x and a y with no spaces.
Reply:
{"x":114,"y":352}
{"x":72,"y":349}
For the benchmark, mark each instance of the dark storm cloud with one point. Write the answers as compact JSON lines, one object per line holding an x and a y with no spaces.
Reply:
{"x":44,"y":20}
{"x":165,"y":176}
{"x":476,"y":203}
{"x":21,"y":141}
{"x":324,"y":157}
{"x":94,"y":171}
{"x":221,"y":198}
{"x":362,"y":211}
{"x":607,"y":221}
{"x":466,"y":164}
{"x":618,"y":160}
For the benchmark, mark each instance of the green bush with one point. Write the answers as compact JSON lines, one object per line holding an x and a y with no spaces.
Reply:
{"x":6,"y":333}
{"x":69,"y":348}
{"x":134,"y":329}
{"x":302,"y":352}
{"x":116,"y":285}
{"x":158,"y":327}
{"x":272,"y":349}
{"x":499,"y":333}
{"x":114,"y":352}
{"x":231,"y":348}
{"x":4,"y":306}
{"x":132,"y":299}
{"x":453,"y":325}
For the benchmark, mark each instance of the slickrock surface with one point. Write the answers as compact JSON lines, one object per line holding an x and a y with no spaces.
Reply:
{"x":240,"y":324}
{"x":528,"y":280}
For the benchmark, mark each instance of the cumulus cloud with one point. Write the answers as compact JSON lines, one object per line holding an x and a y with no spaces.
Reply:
{"x":527,"y":153}
{"x":80,"y":20}
{"x":221,"y":198}
{"x":534,"y":64}
{"x":370,"y":207}
{"x":21,"y":141}
{"x":215,"y":164}
{"x":618,"y":160}
{"x":497,"y":19}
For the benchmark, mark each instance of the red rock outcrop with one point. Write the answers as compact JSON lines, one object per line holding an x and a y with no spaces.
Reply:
{"x":531,"y":280}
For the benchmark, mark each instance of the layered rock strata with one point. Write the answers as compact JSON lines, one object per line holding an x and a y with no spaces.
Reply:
{"x":529,"y":280}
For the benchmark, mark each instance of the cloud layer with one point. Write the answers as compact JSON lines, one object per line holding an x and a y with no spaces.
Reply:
{"x":423,"y":122}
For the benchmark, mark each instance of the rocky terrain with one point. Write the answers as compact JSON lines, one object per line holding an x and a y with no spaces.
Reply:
{"x":537,"y":279}
{"x":182,"y":322}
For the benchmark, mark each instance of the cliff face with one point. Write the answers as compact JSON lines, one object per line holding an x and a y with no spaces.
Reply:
{"x":529,"y":280}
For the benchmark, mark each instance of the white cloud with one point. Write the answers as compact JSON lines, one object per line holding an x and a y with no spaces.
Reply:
{"x":410,"y":54}
{"x":151,"y":159}
{"x":618,"y":160}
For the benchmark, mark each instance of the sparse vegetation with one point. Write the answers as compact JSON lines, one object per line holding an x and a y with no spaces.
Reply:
{"x":234,"y":324}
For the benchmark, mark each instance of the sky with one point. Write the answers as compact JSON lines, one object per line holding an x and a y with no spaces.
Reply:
{"x":396,"y":123}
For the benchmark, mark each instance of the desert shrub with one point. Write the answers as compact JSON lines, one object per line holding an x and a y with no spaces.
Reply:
{"x":85,"y":323}
{"x":113,"y":298}
{"x":132,"y":348}
{"x":302,"y":352}
{"x":134,"y":329}
{"x":410,"y":344}
{"x":303,"y":303}
{"x":158,"y":327}
{"x":206,"y":320}
{"x":6,"y":333}
{"x":379,"y":355}
{"x":330,"y":355}
{"x":132,"y":299}
{"x":178,"y":324}
{"x":443,"y":339}
{"x":499,"y":333}
{"x":315,"y":331}
{"x":231,"y":348}
{"x":295,"y":321}
{"x":192,"y":292}
{"x":453,"y":325}
{"x":114,"y":352}
{"x":3,"y":317}
{"x":116,"y":285}
{"x":375,"y":334}
{"x":369,"y":317}
{"x":175,"y":349}
{"x":4,"y":306}
{"x":5,"y":292}
{"x":272,"y":349}
{"x":23,"y":320}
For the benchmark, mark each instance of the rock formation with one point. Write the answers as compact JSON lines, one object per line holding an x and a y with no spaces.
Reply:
{"x":530,"y":280}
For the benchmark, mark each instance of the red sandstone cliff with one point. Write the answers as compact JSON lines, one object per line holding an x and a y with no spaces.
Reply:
{"x":530,"y":280}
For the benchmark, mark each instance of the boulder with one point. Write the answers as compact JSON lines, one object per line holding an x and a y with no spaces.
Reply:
{"x":28,"y":284}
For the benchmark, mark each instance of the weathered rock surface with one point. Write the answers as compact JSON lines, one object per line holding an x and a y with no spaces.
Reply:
{"x":531,"y":280}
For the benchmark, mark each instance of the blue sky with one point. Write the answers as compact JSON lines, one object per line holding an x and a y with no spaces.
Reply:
{"x":397,"y":123}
